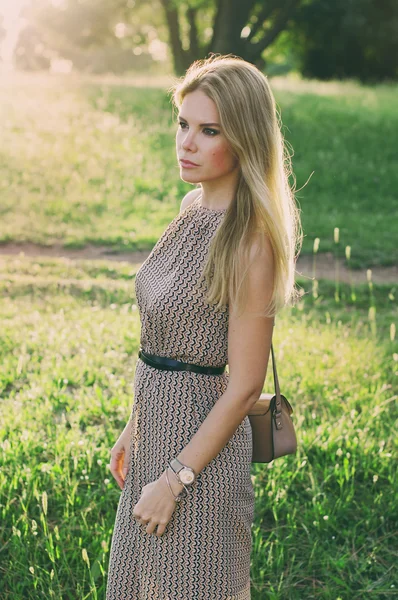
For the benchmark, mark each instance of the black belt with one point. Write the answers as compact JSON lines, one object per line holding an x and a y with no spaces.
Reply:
{"x":169,"y":364}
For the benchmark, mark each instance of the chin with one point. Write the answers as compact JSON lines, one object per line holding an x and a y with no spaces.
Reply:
{"x":189,"y":179}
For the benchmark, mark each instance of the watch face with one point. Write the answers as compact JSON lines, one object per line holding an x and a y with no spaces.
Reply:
{"x":186,"y":476}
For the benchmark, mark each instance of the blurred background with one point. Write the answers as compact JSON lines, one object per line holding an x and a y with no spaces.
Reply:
{"x":89,"y":181}
{"x":317,"y":38}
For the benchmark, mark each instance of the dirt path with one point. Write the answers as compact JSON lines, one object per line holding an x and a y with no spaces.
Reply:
{"x":325,"y":263}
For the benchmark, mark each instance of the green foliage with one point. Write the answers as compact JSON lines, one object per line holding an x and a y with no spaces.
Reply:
{"x":343,"y":39}
{"x":191,"y":29}
{"x":320,"y":38}
{"x":86,"y":34}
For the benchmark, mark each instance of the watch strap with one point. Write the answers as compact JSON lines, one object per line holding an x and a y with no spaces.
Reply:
{"x":177,"y":466}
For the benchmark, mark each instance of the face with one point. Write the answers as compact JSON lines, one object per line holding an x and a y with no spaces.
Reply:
{"x":200,"y":140}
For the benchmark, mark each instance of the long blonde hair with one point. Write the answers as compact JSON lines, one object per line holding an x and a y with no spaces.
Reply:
{"x":264,"y":201}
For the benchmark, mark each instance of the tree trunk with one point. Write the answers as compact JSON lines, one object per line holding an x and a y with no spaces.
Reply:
{"x":231,"y":17}
{"x":173,"y":25}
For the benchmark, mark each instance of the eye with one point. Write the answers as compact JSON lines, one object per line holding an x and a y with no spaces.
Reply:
{"x":213,"y":132}
{"x":182,"y":124}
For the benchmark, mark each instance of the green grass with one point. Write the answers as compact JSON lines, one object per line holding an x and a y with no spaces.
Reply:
{"x":84,"y":162}
{"x":325,"y":518}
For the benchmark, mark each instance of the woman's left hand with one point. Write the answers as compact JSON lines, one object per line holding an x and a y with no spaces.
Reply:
{"x":156,"y":504}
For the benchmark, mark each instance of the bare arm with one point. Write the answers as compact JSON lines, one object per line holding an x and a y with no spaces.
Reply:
{"x":249,"y":344}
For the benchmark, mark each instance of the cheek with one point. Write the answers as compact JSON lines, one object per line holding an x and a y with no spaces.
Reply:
{"x":221,"y":158}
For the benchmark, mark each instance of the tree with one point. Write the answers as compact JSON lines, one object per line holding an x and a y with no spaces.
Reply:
{"x":355,"y":38}
{"x":192,"y":28}
{"x":242,"y":27}
{"x":116,"y":33}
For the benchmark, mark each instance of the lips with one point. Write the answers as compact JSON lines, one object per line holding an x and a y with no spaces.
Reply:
{"x":188,"y":163}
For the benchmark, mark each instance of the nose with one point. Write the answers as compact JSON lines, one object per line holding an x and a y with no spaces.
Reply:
{"x":188,"y":142}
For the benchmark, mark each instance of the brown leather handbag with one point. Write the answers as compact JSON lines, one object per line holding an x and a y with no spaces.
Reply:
{"x":272,"y":427}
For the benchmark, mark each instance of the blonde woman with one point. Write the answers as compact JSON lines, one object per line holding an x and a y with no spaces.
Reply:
{"x":207,"y":295}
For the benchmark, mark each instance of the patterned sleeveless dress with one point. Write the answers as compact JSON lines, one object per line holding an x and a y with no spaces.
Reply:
{"x":204,"y":553}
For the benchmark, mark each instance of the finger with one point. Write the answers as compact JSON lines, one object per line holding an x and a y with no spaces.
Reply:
{"x":150,"y":528}
{"x":114,"y":468}
{"x":118,"y":480}
{"x":117,"y":458}
{"x":161,"y":529}
{"x":125,"y":462}
{"x":121,"y":471}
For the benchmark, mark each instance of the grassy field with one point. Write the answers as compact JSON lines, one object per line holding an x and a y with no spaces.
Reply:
{"x":91,"y":163}
{"x":324,"y":524}
{"x":87,"y":162}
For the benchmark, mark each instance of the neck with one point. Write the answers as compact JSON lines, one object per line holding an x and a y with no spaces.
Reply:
{"x":217,"y":194}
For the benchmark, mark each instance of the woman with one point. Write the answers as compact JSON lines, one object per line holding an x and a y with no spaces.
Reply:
{"x":207,"y":295}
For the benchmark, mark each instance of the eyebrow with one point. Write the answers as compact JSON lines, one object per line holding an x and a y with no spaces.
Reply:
{"x":201,"y":124}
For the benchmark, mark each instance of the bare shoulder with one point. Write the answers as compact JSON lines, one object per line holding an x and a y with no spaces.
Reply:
{"x":189,"y":198}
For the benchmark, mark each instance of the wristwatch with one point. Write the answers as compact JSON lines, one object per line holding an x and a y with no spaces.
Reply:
{"x":185,"y":474}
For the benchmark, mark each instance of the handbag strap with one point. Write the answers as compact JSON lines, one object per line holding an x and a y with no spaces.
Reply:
{"x":278,"y":403}
{"x":276,"y":380}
